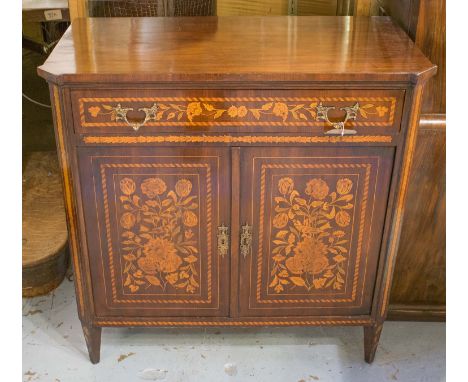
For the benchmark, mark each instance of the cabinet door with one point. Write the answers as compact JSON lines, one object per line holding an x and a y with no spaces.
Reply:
{"x":151,"y":218}
{"x":317,"y":217}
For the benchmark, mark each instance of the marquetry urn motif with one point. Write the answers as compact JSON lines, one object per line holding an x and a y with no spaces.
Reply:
{"x":159,"y":232}
{"x":311,"y":234}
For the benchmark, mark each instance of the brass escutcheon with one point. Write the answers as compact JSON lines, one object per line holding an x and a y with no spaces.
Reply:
{"x":246,"y":240}
{"x":223,"y":240}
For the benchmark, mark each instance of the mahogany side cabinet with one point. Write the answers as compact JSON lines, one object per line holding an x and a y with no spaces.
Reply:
{"x":235,"y":171}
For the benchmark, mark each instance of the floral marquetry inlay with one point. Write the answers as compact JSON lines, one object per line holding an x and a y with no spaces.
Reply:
{"x":311,"y":233}
{"x":159,"y":230}
{"x":378,"y":111}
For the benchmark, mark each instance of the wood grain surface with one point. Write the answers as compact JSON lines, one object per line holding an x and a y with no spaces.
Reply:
{"x":430,"y":38}
{"x":420,"y":270}
{"x":235,"y":49}
{"x":424,"y":22}
{"x":422,"y":248}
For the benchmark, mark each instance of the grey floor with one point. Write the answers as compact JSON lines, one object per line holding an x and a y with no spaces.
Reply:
{"x":54,"y":350}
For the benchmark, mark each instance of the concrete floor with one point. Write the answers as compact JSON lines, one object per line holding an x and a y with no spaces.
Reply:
{"x":54,"y":350}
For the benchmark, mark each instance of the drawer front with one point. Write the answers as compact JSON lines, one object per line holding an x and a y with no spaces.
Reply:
{"x":151,"y":227}
{"x":235,"y":111}
{"x":317,"y":216}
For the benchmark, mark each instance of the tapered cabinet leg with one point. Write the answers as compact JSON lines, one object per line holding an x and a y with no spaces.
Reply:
{"x":92,"y":336}
{"x":371,"y":341}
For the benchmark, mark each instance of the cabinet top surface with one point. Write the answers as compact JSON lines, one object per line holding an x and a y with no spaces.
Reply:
{"x":271,"y":48}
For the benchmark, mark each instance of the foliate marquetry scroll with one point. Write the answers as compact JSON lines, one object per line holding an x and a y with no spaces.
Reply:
{"x":311,"y":233}
{"x":157,"y":238}
{"x":373,"y":111}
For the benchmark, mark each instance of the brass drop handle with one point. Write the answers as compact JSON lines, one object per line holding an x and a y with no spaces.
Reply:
{"x":121,"y":115}
{"x":246,"y":240}
{"x":223,"y":240}
{"x":338,"y":127}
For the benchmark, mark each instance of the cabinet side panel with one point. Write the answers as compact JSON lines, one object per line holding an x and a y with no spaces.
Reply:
{"x":72,"y":221}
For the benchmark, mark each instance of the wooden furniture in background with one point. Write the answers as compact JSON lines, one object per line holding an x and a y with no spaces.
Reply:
{"x":283,"y":7}
{"x":418,"y":290}
{"x":252,"y":8}
{"x":150,"y":8}
{"x":78,"y":8}
{"x":45,"y":237}
{"x":85,"y":8}
{"x":213,"y":179}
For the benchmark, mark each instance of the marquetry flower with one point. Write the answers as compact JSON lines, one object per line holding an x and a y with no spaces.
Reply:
{"x":94,"y":111}
{"x":242,"y":111}
{"x":127,"y":186}
{"x":285,"y":185}
{"x":381,"y":110}
{"x":184,"y":275}
{"x":235,"y":111}
{"x":193,"y":109}
{"x":304,"y":228}
{"x":280,"y":220}
{"x":153,"y":186}
{"x":319,"y":283}
{"x":183,"y":187}
{"x":189,"y":219}
{"x":281,"y":110}
{"x":309,"y":257}
{"x":232,"y":111}
{"x":344,"y":185}
{"x":127,"y":220}
{"x":172,"y":278}
{"x":317,"y":188}
{"x":160,"y":255}
{"x":342,"y":218}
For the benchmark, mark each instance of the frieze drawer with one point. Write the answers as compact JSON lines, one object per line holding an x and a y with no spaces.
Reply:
{"x":317,"y":112}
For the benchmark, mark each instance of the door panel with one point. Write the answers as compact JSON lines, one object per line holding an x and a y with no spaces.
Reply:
{"x":151,"y":219}
{"x":317,"y":217}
